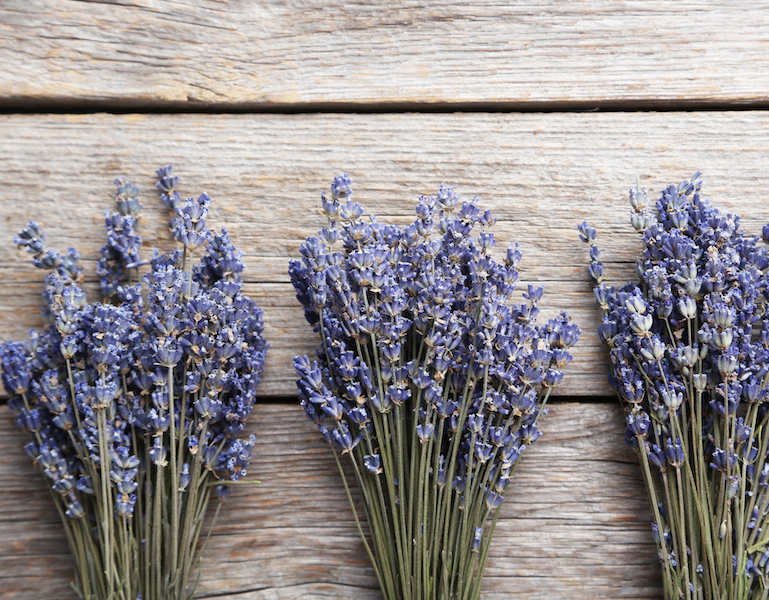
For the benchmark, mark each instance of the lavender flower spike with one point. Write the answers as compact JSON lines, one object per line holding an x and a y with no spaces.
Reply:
{"x":119,"y":262}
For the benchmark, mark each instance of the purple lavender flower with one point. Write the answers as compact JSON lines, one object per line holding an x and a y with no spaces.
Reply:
{"x":121,"y":252}
{"x":426,"y":373}
{"x":688,"y":351}
{"x":135,"y":408}
{"x":167,"y":185}
{"x":189,"y":223}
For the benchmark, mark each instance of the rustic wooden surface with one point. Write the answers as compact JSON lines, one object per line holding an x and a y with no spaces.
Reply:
{"x":575,"y":523}
{"x":540,"y":173}
{"x":332,"y":54}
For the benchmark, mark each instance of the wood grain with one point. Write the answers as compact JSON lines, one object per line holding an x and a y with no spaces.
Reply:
{"x":139,"y":54}
{"x":541,"y":174}
{"x":575,"y":523}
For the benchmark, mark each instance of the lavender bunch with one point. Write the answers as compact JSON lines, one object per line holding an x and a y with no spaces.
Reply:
{"x":134,"y":405}
{"x":689,"y":349}
{"x":427,"y":378}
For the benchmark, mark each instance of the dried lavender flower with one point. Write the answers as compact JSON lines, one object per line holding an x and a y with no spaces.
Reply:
{"x":427,"y":378}
{"x":689,"y":349}
{"x":134,"y":408}
{"x":120,"y":255}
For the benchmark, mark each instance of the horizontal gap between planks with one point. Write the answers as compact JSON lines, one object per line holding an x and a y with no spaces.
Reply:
{"x":68,"y":106}
{"x":288,"y":400}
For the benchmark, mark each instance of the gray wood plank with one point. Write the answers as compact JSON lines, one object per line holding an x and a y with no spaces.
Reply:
{"x":276,"y":54}
{"x":541,"y":174}
{"x":575,"y":523}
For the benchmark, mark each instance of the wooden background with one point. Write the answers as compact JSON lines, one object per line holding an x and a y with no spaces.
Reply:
{"x":548,"y":111}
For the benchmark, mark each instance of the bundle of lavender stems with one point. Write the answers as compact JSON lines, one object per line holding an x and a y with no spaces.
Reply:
{"x":134,"y":405}
{"x":428,"y":379}
{"x":689,"y":349}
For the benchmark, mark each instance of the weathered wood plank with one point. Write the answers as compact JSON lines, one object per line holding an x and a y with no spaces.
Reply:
{"x":541,"y":174}
{"x":252,"y":55}
{"x":575,"y":524}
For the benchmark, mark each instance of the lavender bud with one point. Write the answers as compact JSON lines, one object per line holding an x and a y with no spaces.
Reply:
{"x":330,"y":207}
{"x":722,"y":316}
{"x":672,"y":400}
{"x":372,"y":462}
{"x":483,"y":451}
{"x":530,"y":433}
{"x":68,"y":347}
{"x":382,"y":405}
{"x":656,"y":457}
{"x":742,"y":431}
{"x":654,"y":349}
{"x":168,"y":181}
{"x":477,"y":539}
{"x":425,"y":432}
{"x":32,"y":420}
{"x":341,"y":186}
{"x":723,"y":530}
{"x":75,"y":510}
{"x":687,"y":307}
{"x":644,"y":221}
{"x":596,"y":271}
{"x":48,"y":260}
{"x":330,"y":235}
{"x":656,"y":532}
{"x":586,"y":233}
{"x":31,"y":238}
{"x":475,"y":422}
{"x":344,"y":439}
{"x":169,"y":353}
{"x":700,"y":381}
{"x":105,"y":392}
{"x":638,"y":425}
{"x":722,"y":339}
{"x":552,"y":378}
{"x":636,"y":305}
{"x":127,"y":197}
{"x":85,"y":485}
{"x":184,"y":477}
{"x":158,"y":453}
{"x":446,"y":198}
{"x":675,"y":453}
{"x":764,"y":475}
{"x":493,"y":500}
{"x":726,"y":364}
{"x":641,"y":324}
{"x":64,"y":421}
{"x":64,"y":485}
{"x":638,"y":198}
{"x":350,"y":211}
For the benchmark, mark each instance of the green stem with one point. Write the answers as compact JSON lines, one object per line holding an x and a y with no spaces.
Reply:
{"x":187,"y":542}
{"x":157,"y":526}
{"x":106,"y":500}
{"x":668,"y":570}
{"x":144,"y":545}
{"x":382,"y":582}
{"x":174,"y":481}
